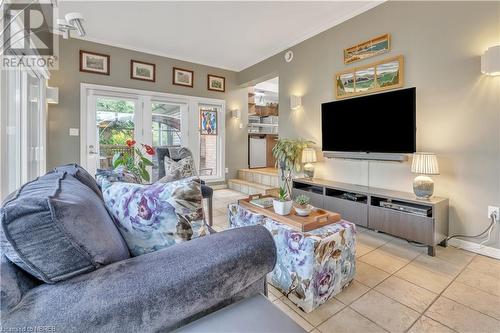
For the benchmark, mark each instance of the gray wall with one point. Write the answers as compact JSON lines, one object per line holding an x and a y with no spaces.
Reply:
{"x":62,"y":148}
{"x":458,"y":111}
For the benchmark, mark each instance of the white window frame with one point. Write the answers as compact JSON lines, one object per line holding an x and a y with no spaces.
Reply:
{"x":189,"y":119}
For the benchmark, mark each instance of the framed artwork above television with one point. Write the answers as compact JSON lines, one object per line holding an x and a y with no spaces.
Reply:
{"x":378,"y":76}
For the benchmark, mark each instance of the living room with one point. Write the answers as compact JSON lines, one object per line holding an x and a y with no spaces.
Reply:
{"x":131,"y":195}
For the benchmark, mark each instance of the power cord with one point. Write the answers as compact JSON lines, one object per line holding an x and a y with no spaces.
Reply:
{"x":494,"y":219}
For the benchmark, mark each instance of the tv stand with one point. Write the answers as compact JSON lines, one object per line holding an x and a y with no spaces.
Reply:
{"x":362,"y":206}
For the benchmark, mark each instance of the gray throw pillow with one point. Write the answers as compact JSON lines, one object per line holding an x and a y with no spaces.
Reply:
{"x":175,"y":170}
{"x":56,"y":227}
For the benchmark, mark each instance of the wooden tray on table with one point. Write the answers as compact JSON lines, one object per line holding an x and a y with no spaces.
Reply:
{"x":317,"y":219}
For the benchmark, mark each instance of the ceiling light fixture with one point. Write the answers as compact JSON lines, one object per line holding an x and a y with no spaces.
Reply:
{"x":71,"y":22}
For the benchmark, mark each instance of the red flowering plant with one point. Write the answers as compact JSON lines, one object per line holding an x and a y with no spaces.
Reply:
{"x":134,"y":161}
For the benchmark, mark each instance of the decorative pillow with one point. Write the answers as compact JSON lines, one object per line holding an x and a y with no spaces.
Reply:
{"x":178,"y":170}
{"x":152,"y":217}
{"x":104,"y":177}
{"x":56,"y":227}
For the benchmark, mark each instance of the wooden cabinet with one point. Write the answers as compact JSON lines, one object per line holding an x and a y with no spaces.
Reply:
{"x":429,"y":226}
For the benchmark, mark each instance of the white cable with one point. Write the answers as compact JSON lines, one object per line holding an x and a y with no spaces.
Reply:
{"x":494,"y":219}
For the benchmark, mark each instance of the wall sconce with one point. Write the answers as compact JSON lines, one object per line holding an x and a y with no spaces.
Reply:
{"x":236,"y":114}
{"x":295,"y":102}
{"x":490,"y":61}
{"x":52,"y":95}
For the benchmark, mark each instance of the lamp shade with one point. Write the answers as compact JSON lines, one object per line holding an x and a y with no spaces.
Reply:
{"x":425,"y":164}
{"x":308,"y":155}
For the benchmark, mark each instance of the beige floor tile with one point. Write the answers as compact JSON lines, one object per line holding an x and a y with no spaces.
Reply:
{"x":349,"y":321}
{"x":402,"y":249}
{"x":383,"y":261}
{"x":407,"y":293}
{"x":219,"y":212}
{"x":218,"y":204}
{"x":429,"y":280}
{"x":294,"y":315}
{"x":271,"y":297}
{"x":320,"y":314}
{"x":369,"y":275}
{"x":454,"y":255}
{"x":427,"y":325}
{"x":486,"y":265}
{"x":480,"y":281}
{"x":315,"y":331}
{"x":437,"y":265}
{"x":354,"y":291}
{"x":474,"y":298}
{"x":386,"y":312}
{"x":371,"y":239}
{"x":221,"y":221}
{"x":273,"y":290}
{"x":361,"y":249}
{"x":461,"y":318}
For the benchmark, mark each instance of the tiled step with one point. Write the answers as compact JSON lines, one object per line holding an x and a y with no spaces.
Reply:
{"x":264,"y":176}
{"x":247,"y":187}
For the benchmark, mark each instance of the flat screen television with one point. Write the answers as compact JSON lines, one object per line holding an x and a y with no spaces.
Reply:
{"x":380,"y":123}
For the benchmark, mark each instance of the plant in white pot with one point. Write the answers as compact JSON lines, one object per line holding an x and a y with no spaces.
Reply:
{"x":302,"y":206}
{"x":282,"y":205}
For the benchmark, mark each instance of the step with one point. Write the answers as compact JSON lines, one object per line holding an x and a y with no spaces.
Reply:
{"x":247,"y":187}
{"x":264,"y":176}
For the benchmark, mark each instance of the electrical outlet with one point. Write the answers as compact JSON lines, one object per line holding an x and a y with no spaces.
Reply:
{"x":493,"y":209}
{"x":227,"y":170}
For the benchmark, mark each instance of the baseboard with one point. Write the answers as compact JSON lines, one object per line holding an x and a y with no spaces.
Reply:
{"x":475,"y":247}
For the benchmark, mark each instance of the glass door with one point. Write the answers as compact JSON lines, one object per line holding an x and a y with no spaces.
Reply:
{"x":168,"y":122}
{"x":113,"y":120}
{"x":210,"y":149}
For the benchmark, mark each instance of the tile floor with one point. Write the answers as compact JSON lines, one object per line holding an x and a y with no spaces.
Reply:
{"x":398,"y":288}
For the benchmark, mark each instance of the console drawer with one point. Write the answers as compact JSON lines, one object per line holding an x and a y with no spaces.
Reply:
{"x":412,"y":227}
{"x":352,"y":211}
{"x":316,"y":199}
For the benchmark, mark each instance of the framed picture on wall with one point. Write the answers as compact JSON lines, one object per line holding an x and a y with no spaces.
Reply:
{"x":208,"y":122}
{"x":216,"y":83}
{"x":96,"y":63}
{"x":383,"y":75}
{"x":367,"y":49}
{"x":142,"y":71}
{"x":183,"y":77}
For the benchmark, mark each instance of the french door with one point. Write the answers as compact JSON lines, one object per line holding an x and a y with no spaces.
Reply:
{"x":22,"y":128}
{"x":111,"y":116}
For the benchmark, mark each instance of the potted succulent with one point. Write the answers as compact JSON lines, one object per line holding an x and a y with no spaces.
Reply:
{"x":282,"y":205}
{"x":302,"y":206}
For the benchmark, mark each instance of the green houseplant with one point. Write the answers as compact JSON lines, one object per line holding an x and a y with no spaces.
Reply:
{"x":282,"y":205}
{"x":288,"y":154}
{"x":135,"y":161}
{"x":302,"y":206}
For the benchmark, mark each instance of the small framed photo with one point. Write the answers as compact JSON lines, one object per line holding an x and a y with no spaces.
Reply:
{"x":96,"y":63}
{"x":183,"y":77}
{"x":216,"y":83}
{"x":142,"y":71}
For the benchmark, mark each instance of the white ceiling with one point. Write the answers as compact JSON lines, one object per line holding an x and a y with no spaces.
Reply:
{"x":230,"y":35}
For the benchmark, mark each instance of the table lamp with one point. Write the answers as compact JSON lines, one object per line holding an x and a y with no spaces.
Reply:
{"x":308,"y":158}
{"x":424,"y":164}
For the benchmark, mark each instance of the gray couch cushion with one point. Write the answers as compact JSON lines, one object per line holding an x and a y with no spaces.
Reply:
{"x":81,"y":174}
{"x":56,"y":227}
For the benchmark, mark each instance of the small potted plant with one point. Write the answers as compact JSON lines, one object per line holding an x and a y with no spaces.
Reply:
{"x":302,"y":206}
{"x":282,"y":205}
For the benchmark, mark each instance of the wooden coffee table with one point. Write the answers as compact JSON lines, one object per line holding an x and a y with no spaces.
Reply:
{"x":317,"y":219}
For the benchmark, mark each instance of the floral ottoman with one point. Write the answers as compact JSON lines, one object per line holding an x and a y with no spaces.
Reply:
{"x":312,"y":266}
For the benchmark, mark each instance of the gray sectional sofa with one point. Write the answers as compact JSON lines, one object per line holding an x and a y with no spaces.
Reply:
{"x":65,"y":268}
